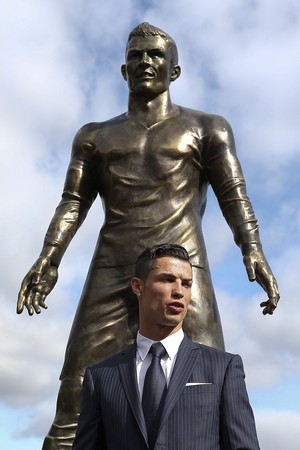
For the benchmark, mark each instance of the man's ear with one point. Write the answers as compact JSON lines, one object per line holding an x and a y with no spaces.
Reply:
{"x":176,"y":71}
{"x":137,"y":286}
{"x":123,"y":71}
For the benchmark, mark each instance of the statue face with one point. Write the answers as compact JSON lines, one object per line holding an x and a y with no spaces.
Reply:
{"x":149,"y":67}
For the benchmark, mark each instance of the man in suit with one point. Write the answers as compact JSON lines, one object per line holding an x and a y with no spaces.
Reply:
{"x":203,"y":402}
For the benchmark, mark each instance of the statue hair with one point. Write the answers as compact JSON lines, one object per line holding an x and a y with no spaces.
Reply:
{"x":145,"y":29}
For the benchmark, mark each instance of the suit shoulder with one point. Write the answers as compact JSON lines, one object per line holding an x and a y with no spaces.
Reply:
{"x":214,"y":352}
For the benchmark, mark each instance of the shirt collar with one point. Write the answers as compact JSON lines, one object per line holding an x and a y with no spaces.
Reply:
{"x":171,"y":344}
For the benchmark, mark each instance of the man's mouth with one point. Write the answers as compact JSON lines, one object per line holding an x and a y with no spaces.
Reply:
{"x":176,"y":307}
{"x":142,"y":75}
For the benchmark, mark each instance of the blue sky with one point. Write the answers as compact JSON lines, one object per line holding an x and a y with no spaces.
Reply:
{"x":60,"y":68}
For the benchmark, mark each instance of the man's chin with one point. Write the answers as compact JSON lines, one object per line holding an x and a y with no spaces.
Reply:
{"x":175,"y":320}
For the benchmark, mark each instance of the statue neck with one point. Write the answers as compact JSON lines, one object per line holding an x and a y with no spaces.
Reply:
{"x":150,"y":111}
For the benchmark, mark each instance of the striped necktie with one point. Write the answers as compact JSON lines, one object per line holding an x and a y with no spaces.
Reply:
{"x":154,"y":391}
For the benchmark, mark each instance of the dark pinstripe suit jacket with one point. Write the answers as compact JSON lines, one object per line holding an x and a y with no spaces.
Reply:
{"x":213,"y":414}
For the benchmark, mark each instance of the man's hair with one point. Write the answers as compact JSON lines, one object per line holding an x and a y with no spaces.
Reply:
{"x":144,"y":261}
{"x":145,"y":29}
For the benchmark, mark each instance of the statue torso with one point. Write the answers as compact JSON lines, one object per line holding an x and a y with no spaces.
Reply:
{"x":152,"y":183}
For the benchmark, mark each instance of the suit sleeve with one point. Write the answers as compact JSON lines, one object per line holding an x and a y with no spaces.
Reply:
{"x":90,"y":432}
{"x":237,"y":425}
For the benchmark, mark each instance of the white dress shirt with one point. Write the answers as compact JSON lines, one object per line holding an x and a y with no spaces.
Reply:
{"x":143,"y":357}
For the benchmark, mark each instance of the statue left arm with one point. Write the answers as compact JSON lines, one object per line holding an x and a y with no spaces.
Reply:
{"x":226,"y":177}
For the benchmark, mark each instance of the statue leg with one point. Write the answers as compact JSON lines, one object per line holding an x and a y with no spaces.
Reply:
{"x":202,"y":323}
{"x":63,"y":429}
{"x":105,"y":323}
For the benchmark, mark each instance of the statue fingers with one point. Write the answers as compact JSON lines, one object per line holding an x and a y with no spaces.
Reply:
{"x":28,"y":302}
{"x":269,"y":306}
{"x":20,"y":303}
{"x":42,"y":302}
{"x":23,"y":293}
{"x":38,"y":301}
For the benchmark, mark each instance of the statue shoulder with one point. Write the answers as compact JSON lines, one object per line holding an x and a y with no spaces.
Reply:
{"x":218,"y":123}
{"x":206,"y":120}
{"x":87,"y":136}
{"x":213,"y":129}
{"x":83,"y":142}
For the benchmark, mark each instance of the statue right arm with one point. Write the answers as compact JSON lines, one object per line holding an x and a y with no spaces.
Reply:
{"x":78,"y":195}
{"x":225,"y":174}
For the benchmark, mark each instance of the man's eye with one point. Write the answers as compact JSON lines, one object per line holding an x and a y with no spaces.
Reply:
{"x":166,"y":280}
{"x":155,"y":54}
{"x":134,"y":55}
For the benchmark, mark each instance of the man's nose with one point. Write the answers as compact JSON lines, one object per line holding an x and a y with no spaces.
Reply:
{"x":145,"y":58}
{"x":177,"y":291}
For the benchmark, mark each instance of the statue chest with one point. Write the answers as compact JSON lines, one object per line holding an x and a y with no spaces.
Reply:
{"x":139,"y":154}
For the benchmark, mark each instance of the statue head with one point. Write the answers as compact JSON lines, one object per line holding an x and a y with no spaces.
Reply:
{"x":145,"y":29}
{"x":161,"y":58}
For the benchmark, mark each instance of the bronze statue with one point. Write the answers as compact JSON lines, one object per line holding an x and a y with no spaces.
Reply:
{"x":151,"y":167}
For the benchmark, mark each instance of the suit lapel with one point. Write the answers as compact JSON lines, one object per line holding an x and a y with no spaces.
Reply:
{"x":127,"y":368}
{"x":185,"y":362}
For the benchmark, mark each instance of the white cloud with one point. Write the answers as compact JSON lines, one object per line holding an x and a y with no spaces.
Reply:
{"x":278,"y":429}
{"x":270,"y":346}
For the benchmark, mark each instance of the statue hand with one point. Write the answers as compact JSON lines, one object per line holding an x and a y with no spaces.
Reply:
{"x":37,"y":284}
{"x":259,"y":270}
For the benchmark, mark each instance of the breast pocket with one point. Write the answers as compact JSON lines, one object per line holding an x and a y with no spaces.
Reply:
{"x":203,"y":388}
{"x":200,"y":400}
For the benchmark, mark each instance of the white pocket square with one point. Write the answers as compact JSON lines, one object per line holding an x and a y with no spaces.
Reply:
{"x":196,"y":384}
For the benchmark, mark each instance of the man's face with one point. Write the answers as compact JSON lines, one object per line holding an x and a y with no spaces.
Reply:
{"x":148,"y":66}
{"x":164,"y":296}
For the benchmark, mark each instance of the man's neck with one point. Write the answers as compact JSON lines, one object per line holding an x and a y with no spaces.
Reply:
{"x":150,"y":111}
{"x":160,"y":332}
